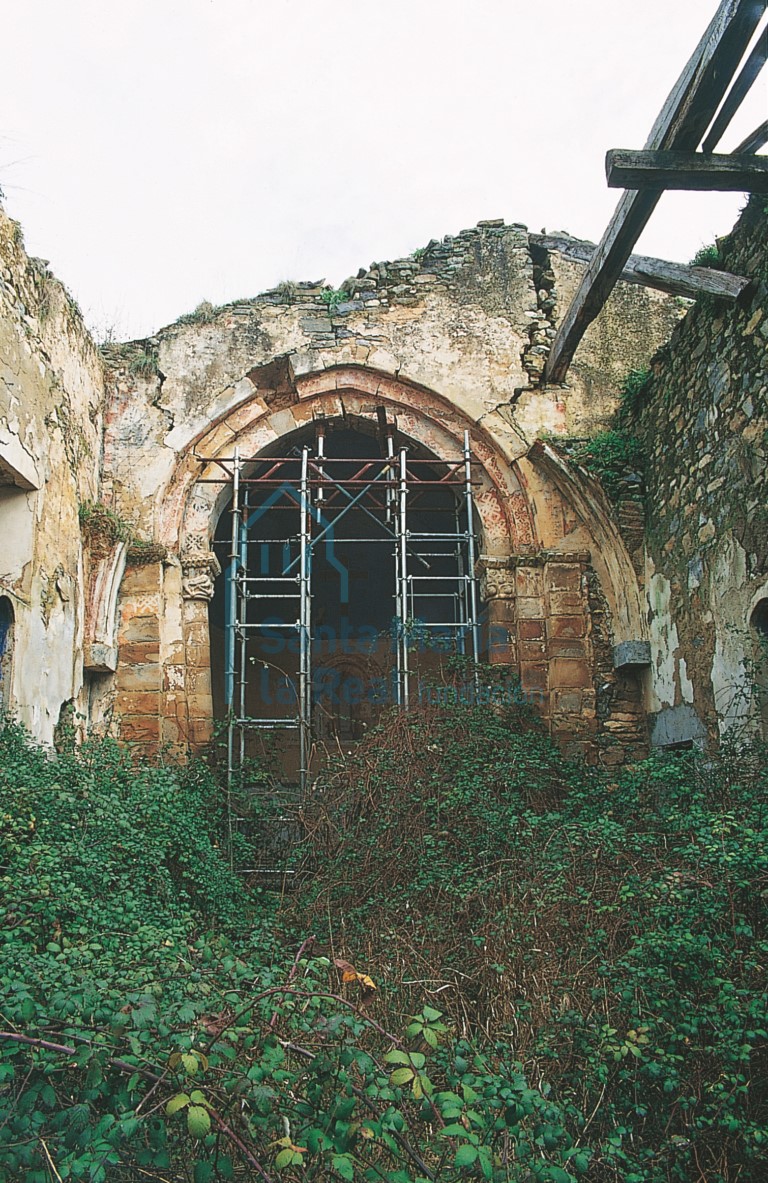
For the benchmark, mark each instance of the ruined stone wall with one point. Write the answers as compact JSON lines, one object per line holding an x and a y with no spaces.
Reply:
{"x":452,"y":338}
{"x":469,"y":317}
{"x":704,"y":427}
{"x":51,"y":398}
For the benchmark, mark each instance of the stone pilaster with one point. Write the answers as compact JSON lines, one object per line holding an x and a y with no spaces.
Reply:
{"x":138,"y":680}
{"x":496,"y":578}
{"x":199,"y":569}
{"x":537,"y":612}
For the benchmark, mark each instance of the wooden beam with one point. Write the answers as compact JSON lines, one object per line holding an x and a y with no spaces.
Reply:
{"x":680,"y":125}
{"x":738,"y":92}
{"x":755,"y":141}
{"x":676,"y":279}
{"x":625,"y":169}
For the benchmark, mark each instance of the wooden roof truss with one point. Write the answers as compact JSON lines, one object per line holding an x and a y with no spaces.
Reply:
{"x":698,"y":111}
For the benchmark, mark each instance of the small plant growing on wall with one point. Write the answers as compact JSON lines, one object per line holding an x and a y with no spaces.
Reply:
{"x":707,"y":256}
{"x":333,"y":297}
{"x":204,"y":314}
{"x":102,"y":527}
{"x":287,"y":290}
{"x":143,"y":365}
{"x":612,"y":457}
{"x":632,"y":389}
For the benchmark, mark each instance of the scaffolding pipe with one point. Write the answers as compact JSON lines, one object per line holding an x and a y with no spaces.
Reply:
{"x":403,"y":531}
{"x":390,"y":479}
{"x":471,"y":558}
{"x":305,"y":674}
{"x":229,"y":687}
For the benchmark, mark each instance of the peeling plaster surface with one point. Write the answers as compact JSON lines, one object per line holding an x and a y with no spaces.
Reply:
{"x":51,"y":403}
{"x":730,"y":594}
{"x":703,"y":426}
{"x":665,"y":642}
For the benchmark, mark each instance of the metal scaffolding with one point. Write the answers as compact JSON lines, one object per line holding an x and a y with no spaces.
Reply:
{"x":314,"y":492}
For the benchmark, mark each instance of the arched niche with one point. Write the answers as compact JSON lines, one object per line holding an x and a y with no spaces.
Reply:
{"x":7,"y":621}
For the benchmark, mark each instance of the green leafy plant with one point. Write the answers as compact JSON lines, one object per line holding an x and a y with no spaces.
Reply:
{"x":632,"y":390}
{"x":564,"y":969}
{"x":611,"y":456}
{"x":707,"y":256}
{"x":144,"y":364}
{"x":333,"y":297}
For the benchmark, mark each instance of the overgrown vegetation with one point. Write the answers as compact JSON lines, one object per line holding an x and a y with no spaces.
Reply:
{"x":143,"y":364}
{"x":204,"y":313}
{"x":102,"y":527}
{"x":542,"y":974}
{"x":707,"y":256}
{"x":333,"y":297}
{"x":632,"y":390}
{"x":611,"y":456}
{"x":287,"y":290}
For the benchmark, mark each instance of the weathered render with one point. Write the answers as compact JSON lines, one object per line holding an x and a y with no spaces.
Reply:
{"x":51,"y":406}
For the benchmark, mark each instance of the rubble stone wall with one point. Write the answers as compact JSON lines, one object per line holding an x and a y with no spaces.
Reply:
{"x":703,"y":423}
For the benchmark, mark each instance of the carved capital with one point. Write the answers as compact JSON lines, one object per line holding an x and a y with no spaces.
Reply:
{"x":497,"y":578}
{"x":199,"y":569}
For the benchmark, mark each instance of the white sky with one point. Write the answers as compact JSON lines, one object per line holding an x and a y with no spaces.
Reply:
{"x":162,"y":152}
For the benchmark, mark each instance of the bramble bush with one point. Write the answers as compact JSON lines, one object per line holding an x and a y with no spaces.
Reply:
{"x":567,"y":970}
{"x":612,"y":928}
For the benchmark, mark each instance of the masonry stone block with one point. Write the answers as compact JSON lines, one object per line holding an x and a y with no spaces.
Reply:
{"x":531,"y":630}
{"x":566,"y":627}
{"x":565,"y":603}
{"x":146,"y":677}
{"x":530,"y":607}
{"x":140,"y":729}
{"x":567,"y":671}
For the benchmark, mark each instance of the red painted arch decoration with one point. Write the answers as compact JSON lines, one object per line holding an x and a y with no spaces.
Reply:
{"x":197,"y":492}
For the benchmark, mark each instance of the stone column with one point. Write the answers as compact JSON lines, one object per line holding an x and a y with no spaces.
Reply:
{"x":497,"y":592}
{"x":199,"y":569}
